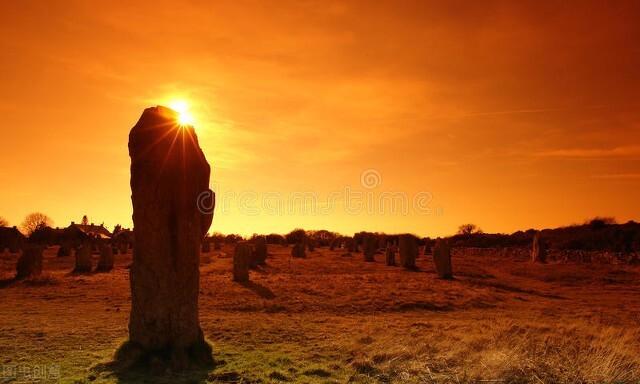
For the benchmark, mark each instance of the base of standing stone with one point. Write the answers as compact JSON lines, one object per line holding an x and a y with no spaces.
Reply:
{"x":131,"y":356}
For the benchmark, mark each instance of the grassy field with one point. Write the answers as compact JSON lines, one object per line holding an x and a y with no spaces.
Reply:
{"x":333,"y":318}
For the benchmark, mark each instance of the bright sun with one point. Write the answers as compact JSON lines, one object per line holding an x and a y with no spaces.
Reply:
{"x":184,"y":115}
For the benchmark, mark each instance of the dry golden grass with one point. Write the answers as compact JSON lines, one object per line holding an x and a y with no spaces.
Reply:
{"x":331,"y":318}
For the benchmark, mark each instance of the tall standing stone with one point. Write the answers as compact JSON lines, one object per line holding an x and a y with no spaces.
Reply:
{"x":408,"y":251}
{"x":442,"y":260}
{"x":350,"y":244}
{"x":390,"y":255}
{"x":64,"y":250}
{"x":298,"y":250}
{"x":538,"y":249}
{"x":30,"y":262}
{"x":172,"y":212}
{"x":369,"y":247}
{"x":259,"y":251}
{"x":105,"y":263}
{"x":83,"y":259}
{"x":241,"y":261}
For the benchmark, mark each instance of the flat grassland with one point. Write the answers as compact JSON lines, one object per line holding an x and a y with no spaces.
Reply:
{"x":334,"y":318}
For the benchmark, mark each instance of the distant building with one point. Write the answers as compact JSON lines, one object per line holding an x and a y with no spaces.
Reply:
{"x":79,"y":233}
{"x":12,"y":238}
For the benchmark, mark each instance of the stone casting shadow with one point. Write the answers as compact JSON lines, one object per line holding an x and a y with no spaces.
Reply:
{"x":259,"y":290}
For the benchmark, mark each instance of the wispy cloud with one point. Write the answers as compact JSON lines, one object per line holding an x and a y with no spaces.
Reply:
{"x":532,"y":110}
{"x":615,"y":176}
{"x":593,"y":153}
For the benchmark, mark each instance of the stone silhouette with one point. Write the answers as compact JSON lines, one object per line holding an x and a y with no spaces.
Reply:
{"x":350,"y":244}
{"x":369,"y":247}
{"x":538,"y":249}
{"x":241,"y":261}
{"x":408,"y":251}
{"x":64,"y":250}
{"x":83,"y":259}
{"x":442,"y":260}
{"x":172,"y":212}
{"x":105,"y":263}
{"x":390,"y":255}
{"x":259,"y":251}
{"x":206,"y":246}
{"x":30,"y":262}
{"x":298,"y":250}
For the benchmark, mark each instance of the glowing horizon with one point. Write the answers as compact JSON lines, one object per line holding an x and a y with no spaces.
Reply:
{"x":505,"y":115}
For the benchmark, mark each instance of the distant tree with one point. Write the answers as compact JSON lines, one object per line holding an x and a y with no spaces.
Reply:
{"x":601,"y":222}
{"x":296,"y":236}
{"x":85,"y":220}
{"x":468,"y":229}
{"x":35,"y":221}
{"x":117,"y":229}
{"x":3,"y":222}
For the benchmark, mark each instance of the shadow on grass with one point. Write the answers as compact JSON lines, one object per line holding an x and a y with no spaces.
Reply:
{"x":130,"y":365}
{"x":259,"y":290}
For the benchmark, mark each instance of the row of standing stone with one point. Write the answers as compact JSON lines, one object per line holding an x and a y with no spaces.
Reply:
{"x":30,"y":262}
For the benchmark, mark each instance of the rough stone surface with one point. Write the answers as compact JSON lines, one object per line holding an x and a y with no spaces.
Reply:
{"x":172,"y":212}
{"x":30,"y":262}
{"x":83,"y":259}
{"x":350,"y":244}
{"x":241,"y":261}
{"x":408,"y":251}
{"x":64,"y":250}
{"x":259,"y":251}
{"x":298,"y":251}
{"x":538,"y":249}
{"x":369,"y":247}
{"x":390,"y":255}
{"x":442,"y":260}
{"x":105,"y":263}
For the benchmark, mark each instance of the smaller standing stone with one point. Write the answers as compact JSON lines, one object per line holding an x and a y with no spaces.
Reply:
{"x":64,"y":250}
{"x":442,"y":260}
{"x":241,"y":260}
{"x":311,"y":245}
{"x":83,"y":259}
{"x":216,"y":246}
{"x":124,"y":248}
{"x":427,"y":249}
{"x":390,"y":255}
{"x":298,"y":251}
{"x":259,"y":252}
{"x":538,"y":249}
{"x":30,"y":262}
{"x":350,"y":244}
{"x":105,"y":263}
{"x":408,"y":251}
{"x":369,"y":247}
{"x":206,"y":246}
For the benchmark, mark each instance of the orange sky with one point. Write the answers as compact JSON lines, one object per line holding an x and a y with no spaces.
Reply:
{"x":506,"y":115}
